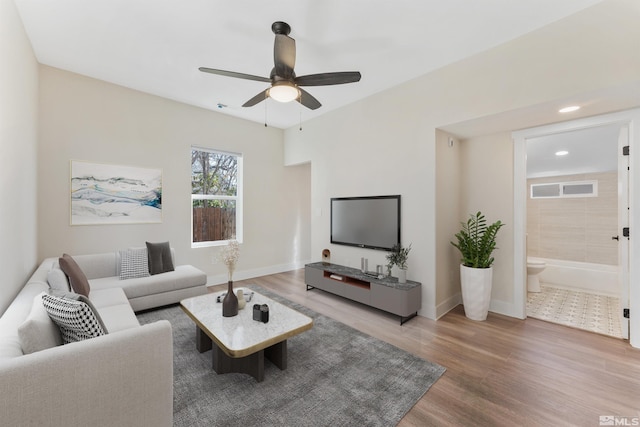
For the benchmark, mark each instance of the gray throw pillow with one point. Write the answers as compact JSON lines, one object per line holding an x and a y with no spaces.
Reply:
{"x":160,"y":260}
{"x":57,"y":279}
{"x":77,"y":278}
{"x":75,"y":315}
{"x":38,"y":332}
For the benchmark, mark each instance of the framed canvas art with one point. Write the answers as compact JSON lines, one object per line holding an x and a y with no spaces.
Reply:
{"x":112,"y":194}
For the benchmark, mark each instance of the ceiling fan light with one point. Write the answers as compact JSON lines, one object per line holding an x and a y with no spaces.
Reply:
{"x":284,"y":92}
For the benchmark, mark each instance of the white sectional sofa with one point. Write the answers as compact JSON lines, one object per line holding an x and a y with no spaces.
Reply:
{"x":103,"y":270}
{"x":123,"y":378}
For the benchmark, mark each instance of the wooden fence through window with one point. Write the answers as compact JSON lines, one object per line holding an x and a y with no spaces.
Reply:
{"x":211,"y":224}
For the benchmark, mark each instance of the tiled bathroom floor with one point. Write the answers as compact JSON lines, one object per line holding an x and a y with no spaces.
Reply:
{"x":595,"y":313}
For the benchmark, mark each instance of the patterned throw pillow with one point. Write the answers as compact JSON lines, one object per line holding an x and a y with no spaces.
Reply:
{"x":134,"y":263}
{"x":75,"y":316}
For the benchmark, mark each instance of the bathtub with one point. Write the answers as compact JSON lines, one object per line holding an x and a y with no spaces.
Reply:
{"x":581,"y":276}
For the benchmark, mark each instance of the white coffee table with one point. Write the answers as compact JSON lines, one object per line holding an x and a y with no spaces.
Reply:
{"x":241,"y":343}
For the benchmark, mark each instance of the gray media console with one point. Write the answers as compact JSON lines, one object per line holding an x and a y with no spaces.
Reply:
{"x":401,"y":299}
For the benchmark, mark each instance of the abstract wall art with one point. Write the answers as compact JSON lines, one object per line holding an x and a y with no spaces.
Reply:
{"x":111,"y":194}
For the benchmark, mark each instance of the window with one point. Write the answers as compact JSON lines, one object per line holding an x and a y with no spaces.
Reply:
{"x":565,"y":189}
{"x":216,"y":197}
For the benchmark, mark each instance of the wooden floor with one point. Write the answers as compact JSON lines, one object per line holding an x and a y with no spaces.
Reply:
{"x":500,"y":372}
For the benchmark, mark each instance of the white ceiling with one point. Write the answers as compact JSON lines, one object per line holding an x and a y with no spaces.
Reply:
{"x":157,"y":46}
{"x":590,"y":150}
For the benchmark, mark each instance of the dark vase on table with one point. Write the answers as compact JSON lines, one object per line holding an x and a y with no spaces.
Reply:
{"x":230,"y":302}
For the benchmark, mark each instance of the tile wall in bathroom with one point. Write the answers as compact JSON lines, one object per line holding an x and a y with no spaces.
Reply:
{"x":575,"y":229}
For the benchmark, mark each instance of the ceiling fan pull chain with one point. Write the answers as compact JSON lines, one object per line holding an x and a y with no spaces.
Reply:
{"x":300,"y":109}
{"x":265,"y":112}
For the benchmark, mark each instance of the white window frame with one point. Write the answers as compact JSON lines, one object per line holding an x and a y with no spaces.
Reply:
{"x":561,"y":188}
{"x":237,"y":198}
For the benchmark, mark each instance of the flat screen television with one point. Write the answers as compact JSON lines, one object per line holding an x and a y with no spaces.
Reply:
{"x":366,"y":222}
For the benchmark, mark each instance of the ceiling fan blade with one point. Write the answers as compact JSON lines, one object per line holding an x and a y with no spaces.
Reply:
{"x":234,"y":74}
{"x":308,"y":100}
{"x":256,"y":99}
{"x":284,"y":55}
{"x":326,"y":79}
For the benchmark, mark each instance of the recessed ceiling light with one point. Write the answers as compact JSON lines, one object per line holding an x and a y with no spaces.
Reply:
{"x":569,"y":109}
{"x":562,"y":153}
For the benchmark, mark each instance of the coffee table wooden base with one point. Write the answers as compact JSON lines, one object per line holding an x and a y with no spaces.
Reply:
{"x":252,"y":364}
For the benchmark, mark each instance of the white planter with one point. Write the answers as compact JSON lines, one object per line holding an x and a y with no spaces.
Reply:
{"x":476,"y":291}
{"x":402,"y":276}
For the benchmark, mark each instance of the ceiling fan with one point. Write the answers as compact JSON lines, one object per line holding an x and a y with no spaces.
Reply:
{"x":285,"y":86}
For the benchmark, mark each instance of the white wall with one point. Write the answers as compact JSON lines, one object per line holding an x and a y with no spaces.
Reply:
{"x":18,"y":143}
{"x":372,"y":152}
{"x":449,"y":181}
{"x":487,"y":165}
{"x":386,"y":143}
{"x":90,"y":120}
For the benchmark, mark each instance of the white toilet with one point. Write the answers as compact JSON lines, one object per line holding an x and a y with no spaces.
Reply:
{"x":534,"y":268}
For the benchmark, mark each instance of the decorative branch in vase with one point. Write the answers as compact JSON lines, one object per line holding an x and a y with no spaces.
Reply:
{"x":229,"y":255}
{"x":399,"y":257}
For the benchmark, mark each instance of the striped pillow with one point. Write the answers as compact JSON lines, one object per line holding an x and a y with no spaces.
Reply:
{"x":134,"y":263}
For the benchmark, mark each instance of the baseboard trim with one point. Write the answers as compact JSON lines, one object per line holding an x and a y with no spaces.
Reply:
{"x":448,"y":305}
{"x":219,"y":279}
{"x":505,"y":308}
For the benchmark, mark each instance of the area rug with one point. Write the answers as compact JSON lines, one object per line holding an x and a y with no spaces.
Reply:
{"x":336,"y":376}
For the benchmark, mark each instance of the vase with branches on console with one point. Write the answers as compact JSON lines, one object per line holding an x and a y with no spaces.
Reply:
{"x":399,"y":257}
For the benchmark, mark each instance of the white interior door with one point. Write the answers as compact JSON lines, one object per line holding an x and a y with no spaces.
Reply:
{"x":623,"y":222}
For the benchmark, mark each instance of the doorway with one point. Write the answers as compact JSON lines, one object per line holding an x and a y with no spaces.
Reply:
{"x":575,"y":192}
{"x":625,"y":121}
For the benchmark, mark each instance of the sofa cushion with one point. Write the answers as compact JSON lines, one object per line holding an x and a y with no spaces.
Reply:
{"x":118,"y":317}
{"x":108,"y":296}
{"x":98,"y":265}
{"x":134,"y":263}
{"x":38,"y":331}
{"x":114,"y":308}
{"x":77,"y":279}
{"x":16,"y":314}
{"x":160,"y":260}
{"x":75,"y":316}
{"x":57,"y":279}
{"x":183,"y":277}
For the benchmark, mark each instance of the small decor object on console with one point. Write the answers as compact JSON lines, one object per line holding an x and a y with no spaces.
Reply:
{"x":229,"y":256}
{"x":326,"y":256}
{"x":399,"y":257}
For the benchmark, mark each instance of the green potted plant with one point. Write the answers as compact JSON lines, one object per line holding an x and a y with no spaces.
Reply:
{"x":476,"y":242}
{"x":398,"y":257}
